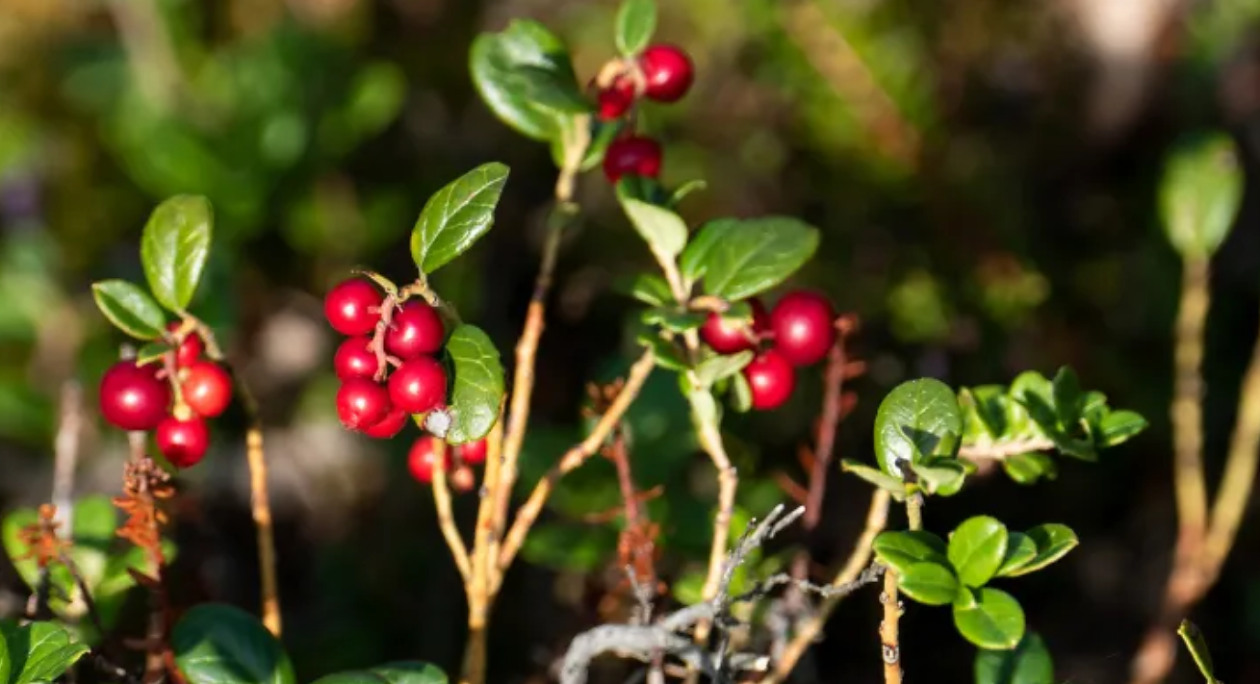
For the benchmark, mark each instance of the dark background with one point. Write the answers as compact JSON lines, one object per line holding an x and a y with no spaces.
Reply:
{"x":984,"y":173}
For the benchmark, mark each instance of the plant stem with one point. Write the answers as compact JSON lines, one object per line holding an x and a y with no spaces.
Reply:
{"x":446,"y":517}
{"x":859,"y":558}
{"x":1187,"y":404}
{"x":710,"y":437}
{"x":889,"y":628}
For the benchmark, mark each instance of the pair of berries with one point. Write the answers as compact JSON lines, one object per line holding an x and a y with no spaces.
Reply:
{"x":139,"y":398}
{"x":387,"y":374}
{"x":801,"y":329}
{"x":422,"y":459}
{"x":667,"y":74}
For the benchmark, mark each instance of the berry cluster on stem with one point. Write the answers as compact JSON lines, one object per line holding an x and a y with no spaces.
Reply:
{"x":662,"y":73}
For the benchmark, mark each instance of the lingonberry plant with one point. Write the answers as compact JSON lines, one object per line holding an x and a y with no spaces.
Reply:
{"x":707,"y":317}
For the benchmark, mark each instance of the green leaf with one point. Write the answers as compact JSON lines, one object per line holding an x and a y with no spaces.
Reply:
{"x":6,"y":661}
{"x":989,"y":404}
{"x":175,"y":247}
{"x":457,"y":216}
{"x":666,"y":354}
{"x":673,"y":320}
{"x":722,"y":366}
{"x":39,"y":651}
{"x":649,"y":288}
{"x":1028,"y":468}
{"x":550,"y":89}
{"x":943,"y":476}
{"x":496,"y":60}
{"x":220,"y":644}
{"x":1020,"y":549}
{"x":919,"y":418}
{"x":929,"y":583}
{"x":412,"y":672}
{"x":663,"y":230}
{"x":151,"y":353}
{"x":976,"y":549}
{"x":995,"y":621}
{"x":741,"y":394}
{"x":478,"y":383}
{"x":636,"y":22}
{"x":901,"y":549}
{"x":876,"y":477}
{"x":1119,"y":427}
{"x":1200,"y":193}
{"x":130,"y":309}
{"x":1053,"y":541}
{"x":1069,"y":400}
{"x":1028,"y":663}
{"x":1192,"y":637}
{"x":695,"y":256}
{"x":754,"y":255}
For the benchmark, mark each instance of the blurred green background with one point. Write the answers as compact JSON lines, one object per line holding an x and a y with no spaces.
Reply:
{"x":984,"y":173}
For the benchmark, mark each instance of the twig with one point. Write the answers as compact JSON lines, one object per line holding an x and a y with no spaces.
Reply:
{"x":859,"y":558}
{"x":81,"y":583}
{"x":484,"y":570}
{"x":446,"y":517}
{"x":889,"y":628}
{"x":1196,"y":566}
{"x":1187,"y":404}
{"x":575,"y":457}
{"x":998,"y":451}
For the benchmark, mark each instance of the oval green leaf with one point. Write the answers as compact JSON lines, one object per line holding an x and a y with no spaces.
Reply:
{"x":1020,"y":549}
{"x":478,"y":383}
{"x":636,"y":22}
{"x":406,"y":672}
{"x":220,"y":644}
{"x":1053,"y":541}
{"x":1200,"y":193}
{"x":1028,"y":468}
{"x":1028,"y":663}
{"x":995,"y":621}
{"x":932,"y":584}
{"x":918,"y":419}
{"x":754,"y":255}
{"x":496,"y":61}
{"x":1069,"y":398}
{"x":721,"y":366}
{"x":129,"y":308}
{"x":943,"y":476}
{"x":1119,"y":427}
{"x":977,"y":548}
{"x":876,"y":477}
{"x":695,"y":256}
{"x":174,"y":248}
{"x":901,"y":549}
{"x":663,"y":230}
{"x":457,"y":216}
{"x":39,"y":651}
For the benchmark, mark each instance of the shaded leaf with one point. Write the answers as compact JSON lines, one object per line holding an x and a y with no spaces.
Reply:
{"x":402,"y":672}
{"x":219,"y":644}
{"x":1020,"y":549}
{"x":174,"y":248}
{"x":663,"y":230}
{"x":666,"y":354}
{"x":943,"y":476}
{"x":1068,"y":397}
{"x":1053,"y":541}
{"x":1028,"y":663}
{"x":673,"y":320}
{"x":1200,"y":193}
{"x":1119,"y":427}
{"x":695,"y":256}
{"x":129,"y":308}
{"x":478,"y":384}
{"x":648,"y":288}
{"x":721,"y":366}
{"x":875,"y":476}
{"x":457,"y":216}
{"x":1028,"y":468}
{"x":919,"y":418}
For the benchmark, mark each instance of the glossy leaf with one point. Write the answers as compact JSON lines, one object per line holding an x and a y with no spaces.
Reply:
{"x":994,"y":621}
{"x":174,"y":248}
{"x":977,"y":548}
{"x":650,"y":289}
{"x":943,"y":476}
{"x":663,"y":230}
{"x":39,"y":651}
{"x":694,"y":258}
{"x":457,"y":216}
{"x":1200,"y":194}
{"x":636,"y":22}
{"x":403,"y":672}
{"x":130,"y":309}
{"x":903,"y":548}
{"x":932,"y":584}
{"x":666,"y":354}
{"x":919,"y":418}
{"x":1028,"y":663}
{"x":1119,"y":427}
{"x":1028,"y":468}
{"x":673,"y":320}
{"x":721,"y":366}
{"x":1053,"y":541}
{"x":1020,"y":549}
{"x":877,"y":477}
{"x":1069,"y":399}
{"x":220,"y":644}
{"x":478,"y":384}
{"x":754,"y":255}
{"x":496,"y":61}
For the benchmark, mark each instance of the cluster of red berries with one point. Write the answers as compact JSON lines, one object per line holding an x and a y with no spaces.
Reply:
{"x":665,"y":73}
{"x":389,"y":371}
{"x":143,"y":397}
{"x":800,"y":331}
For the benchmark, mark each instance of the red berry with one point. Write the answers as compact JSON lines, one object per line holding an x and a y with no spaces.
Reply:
{"x":726,"y":337}
{"x":351,"y":307}
{"x":463,"y":479}
{"x":804,"y":327}
{"x":183,"y":442}
{"x":190,"y":349}
{"x":615,"y":100}
{"x":362,"y":403}
{"x":472,"y":453}
{"x":771,"y":379}
{"x":634,"y":155}
{"x":668,"y":72}
{"x":422,"y":458}
{"x":354,"y":360}
{"x":415,"y":330}
{"x":133,"y":397}
{"x":389,"y":426}
{"x":418,"y":386}
{"x":207,"y":389}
